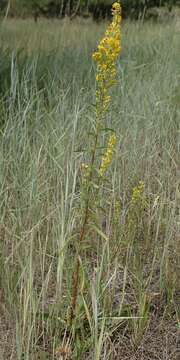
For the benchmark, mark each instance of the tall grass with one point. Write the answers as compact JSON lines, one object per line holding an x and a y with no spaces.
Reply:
{"x":47,"y":88}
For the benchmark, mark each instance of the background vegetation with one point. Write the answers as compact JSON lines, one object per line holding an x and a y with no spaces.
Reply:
{"x":97,"y":8}
{"x":128,"y":305}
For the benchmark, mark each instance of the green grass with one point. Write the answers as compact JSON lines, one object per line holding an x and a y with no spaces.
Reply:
{"x":47,"y":87}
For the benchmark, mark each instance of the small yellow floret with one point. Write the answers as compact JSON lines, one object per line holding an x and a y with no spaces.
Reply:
{"x":116,"y":6}
{"x":84,"y":166}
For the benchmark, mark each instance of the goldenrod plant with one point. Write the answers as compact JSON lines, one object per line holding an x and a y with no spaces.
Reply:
{"x":105,"y":56}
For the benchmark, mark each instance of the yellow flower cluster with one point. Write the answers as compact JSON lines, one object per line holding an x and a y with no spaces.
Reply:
{"x":106,"y":56}
{"x":137,"y":206}
{"x":107,"y":157}
{"x":137,"y":193}
{"x":84,"y":166}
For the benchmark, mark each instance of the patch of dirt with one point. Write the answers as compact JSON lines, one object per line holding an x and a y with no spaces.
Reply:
{"x":161,"y":341}
{"x":7,"y":335}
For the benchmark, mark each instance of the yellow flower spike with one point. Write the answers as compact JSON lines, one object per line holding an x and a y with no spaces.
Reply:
{"x":106,"y":55}
{"x":107,"y":156}
{"x":137,"y":193}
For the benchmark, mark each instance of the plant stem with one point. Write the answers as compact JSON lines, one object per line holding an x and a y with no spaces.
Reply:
{"x":75,"y":277}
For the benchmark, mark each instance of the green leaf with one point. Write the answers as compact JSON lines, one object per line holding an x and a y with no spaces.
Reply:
{"x":107,"y":129}
{"x":100,"y":232}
